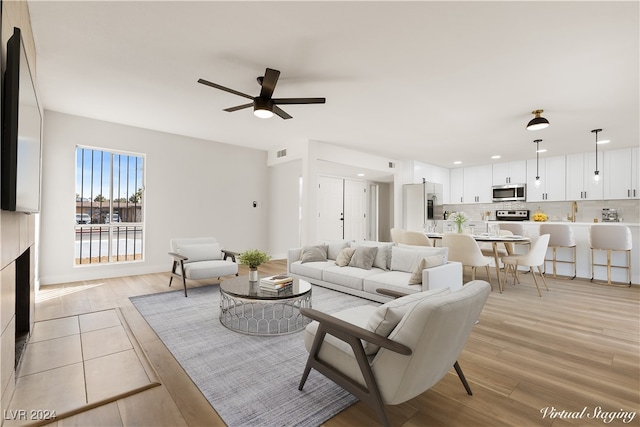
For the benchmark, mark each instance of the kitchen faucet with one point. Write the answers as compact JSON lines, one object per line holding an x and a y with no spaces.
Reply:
{"x":574,"y":209}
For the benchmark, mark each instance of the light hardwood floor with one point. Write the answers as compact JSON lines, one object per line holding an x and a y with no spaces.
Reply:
{"x":575,"y":349}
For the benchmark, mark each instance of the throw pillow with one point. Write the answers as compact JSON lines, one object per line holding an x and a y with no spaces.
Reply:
{"x":344,"y":257}
{"x":313,"y":254}
{"x":334,"y":247}
{"x":363,"y":257}
{"x":387,"y":316}
{"x":200,"y":252}
{"x":428,"y":262}
{"x":383,"y":254}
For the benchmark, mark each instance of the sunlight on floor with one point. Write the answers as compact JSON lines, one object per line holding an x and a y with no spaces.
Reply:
{"x":45,"y":294}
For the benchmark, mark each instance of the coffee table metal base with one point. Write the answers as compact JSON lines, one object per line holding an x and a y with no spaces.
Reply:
{"x":264,"y":317}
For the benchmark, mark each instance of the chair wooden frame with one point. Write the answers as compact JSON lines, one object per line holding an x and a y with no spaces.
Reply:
{"x":353,"y":335}
{"x":178,"y":260}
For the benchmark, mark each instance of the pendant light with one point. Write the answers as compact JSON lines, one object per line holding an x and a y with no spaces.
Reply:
{"x":537,"y":183}
{"x":596,"y":173}
{"x":537,"y":122}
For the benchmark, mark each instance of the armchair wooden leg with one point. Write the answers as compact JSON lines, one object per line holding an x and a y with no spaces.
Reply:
{"x":369,"y":394}
{"x":184,"y":279}
{"x":462,"y":378}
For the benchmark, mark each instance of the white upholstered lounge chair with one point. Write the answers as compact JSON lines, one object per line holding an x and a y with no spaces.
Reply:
{"x":200,"y":258}
{"x":417,"y":340}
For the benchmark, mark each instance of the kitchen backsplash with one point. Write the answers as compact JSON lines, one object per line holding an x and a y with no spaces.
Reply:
{"x":588,"y":210}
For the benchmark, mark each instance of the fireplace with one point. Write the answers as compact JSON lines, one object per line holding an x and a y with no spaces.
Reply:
{"x":24,"y":301}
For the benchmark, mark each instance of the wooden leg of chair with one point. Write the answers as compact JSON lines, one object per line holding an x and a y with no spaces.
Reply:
{"x":173,"y":271}
{"x":592,"y":264}
{"x":535,"y":280}
{"x":629,"y":266}
{"x":575,"y":264}
{"x":462,"y":378}
{"x":608,"y":266}
{"x":554,"y":262}
{"x":543,"y":279}
{"x":315,"y":349}
{"x":184,"y":278}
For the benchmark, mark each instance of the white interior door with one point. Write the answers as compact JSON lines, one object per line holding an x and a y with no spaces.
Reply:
{"x":355,"y":208}
{"x":330,"y":208}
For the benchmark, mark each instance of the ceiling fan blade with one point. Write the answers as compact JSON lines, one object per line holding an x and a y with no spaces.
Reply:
{"x":284,"y":101}
{"x":238,"y":107}
{"x":281,"y":113}
{"x":269,"y":83}
{"x":226,"y":89}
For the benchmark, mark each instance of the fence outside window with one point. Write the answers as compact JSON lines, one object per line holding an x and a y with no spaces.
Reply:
{"x":109,"y":207}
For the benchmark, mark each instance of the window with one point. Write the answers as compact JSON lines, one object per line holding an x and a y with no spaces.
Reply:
{"x":109,"y":207}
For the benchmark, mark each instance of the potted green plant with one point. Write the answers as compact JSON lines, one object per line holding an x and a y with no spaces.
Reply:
{"x":252,"y":258}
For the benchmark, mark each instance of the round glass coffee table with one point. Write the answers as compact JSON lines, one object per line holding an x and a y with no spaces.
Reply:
{"x":246,"y":308}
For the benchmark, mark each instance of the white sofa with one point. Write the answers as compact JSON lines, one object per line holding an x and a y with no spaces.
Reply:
{"x":392,"y":268}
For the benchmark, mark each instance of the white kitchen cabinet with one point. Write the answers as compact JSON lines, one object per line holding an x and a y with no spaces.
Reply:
{"x":622,"y":175}
{"x":477,"y":184}
{"x":456,"y":186}
{"x":510,"y":173}
{"x":580,"y":172}
{"x":552,"y":180}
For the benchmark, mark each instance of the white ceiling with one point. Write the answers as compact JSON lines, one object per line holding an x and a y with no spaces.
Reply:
{"x":428,"y":81}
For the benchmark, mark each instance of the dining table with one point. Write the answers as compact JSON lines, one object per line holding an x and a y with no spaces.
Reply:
{"x":494,"y":240}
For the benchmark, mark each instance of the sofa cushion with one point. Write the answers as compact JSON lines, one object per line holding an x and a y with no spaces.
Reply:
{"x":208,"y":269}
{"x":312,"y":270}
{"x":350,"y":277}
{"x":334,"y":247}
{"x":314,"y":253}
{"x":392,"y":280}
{"x":363,"y":257}
{"x":200,"y":251}
{"x":407,"y":259}
{"x":387,"y":316}
{"x":383,"y":256}
{"x":426,"y":262}
{"x":344,"y":257}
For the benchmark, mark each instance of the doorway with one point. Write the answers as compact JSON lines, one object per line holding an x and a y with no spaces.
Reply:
{"x":342,"y":209}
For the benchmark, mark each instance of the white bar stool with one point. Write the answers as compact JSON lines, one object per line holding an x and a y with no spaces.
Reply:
{"x":610,"y":238}
{"x":561,"y":237}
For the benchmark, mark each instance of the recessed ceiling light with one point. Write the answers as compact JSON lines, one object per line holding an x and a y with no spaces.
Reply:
{"x":360,"y":174}
{"x":542,"y":150}
{"x":457,"y":162}
{"x":496,"y":157}
{"x":604,"y":141}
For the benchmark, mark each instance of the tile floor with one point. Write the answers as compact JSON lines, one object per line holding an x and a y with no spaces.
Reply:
{"x":69,"y":365}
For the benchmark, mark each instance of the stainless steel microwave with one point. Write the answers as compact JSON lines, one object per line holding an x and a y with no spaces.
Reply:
{"x":510,"y":193}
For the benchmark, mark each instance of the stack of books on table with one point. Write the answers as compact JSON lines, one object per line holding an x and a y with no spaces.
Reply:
{"x":277,"y":283}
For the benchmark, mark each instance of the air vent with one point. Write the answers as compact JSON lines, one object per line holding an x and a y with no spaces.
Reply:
{"x":281,"y":153}
{"x":392,"y":165}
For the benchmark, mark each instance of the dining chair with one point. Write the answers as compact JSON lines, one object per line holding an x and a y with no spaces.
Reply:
{"x":464,"y":249}
{"x":562,"y":237}
{"x":517,"y":229}
{"x":497,"y":250}
{"x":415,"y":238}
{"x":608,"y":237}
{"x":396,"y":235}
{"x":534,"y":258}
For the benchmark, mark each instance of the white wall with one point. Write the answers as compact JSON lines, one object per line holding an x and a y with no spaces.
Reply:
{"x":284,"y":207}
{"x":194,"y":188}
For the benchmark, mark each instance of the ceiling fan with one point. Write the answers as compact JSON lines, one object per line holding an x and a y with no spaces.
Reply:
{"x":264,"y":106}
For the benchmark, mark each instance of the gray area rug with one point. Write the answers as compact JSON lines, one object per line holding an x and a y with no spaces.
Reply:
{"x":249,"y":380}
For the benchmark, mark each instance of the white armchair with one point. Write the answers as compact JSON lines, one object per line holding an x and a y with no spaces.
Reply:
{"x":200,"y":258}
{"x":389,"y":354}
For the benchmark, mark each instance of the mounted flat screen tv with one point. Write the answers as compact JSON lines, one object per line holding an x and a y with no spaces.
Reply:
{"x":21,"y":133}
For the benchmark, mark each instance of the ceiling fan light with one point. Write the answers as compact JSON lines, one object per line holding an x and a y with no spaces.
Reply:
{"x":263,"y":108}
{"x":262,"y":113}
{"x":537,"y":122}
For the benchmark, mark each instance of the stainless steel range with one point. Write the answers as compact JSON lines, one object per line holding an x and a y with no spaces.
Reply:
{"x":513,"y":215}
